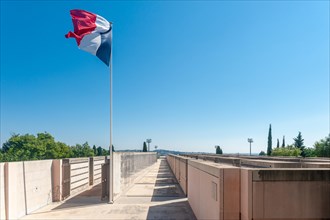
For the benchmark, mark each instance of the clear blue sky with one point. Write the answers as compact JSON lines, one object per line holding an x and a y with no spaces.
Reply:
{"x":189,"y":75}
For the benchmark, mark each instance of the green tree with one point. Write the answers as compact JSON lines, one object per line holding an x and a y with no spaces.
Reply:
{"x":95,"y":150}
{"x":218,"y":150}
{"x":113,"y":148}
{"x":278,"y":143}
{"x":87,"y":150}
{"x":322,"y":147}
{"x":54,"y":150}
{"x":286,"y":151}
{"x":299,"y":143}
{"x":283,"y":141}
{"x":83,"y":150}
{"x":310,"y":152}
{"x":262,"y":153}
{"x":30,"y":147}
{"x":1,"y":156}
{"x":269,"y":147}
{"x":77,"y":150}
{"x":23,"y":147}
{"x":105,"y":152}
{"x":99,"y":151}
{"x":145,"y":149}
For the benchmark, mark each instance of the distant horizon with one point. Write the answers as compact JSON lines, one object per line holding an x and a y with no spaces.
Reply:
{"x":159,"y":149}
{"x":172,"y":148}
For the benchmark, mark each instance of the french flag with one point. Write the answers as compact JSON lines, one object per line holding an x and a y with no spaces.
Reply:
{"x":92,"y":33}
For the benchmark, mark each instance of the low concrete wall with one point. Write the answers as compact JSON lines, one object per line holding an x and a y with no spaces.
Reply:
{"x":127,"y":166}
{"x":15,"y":191}
{"x":227,"y":191}
{"x":28,"y":186}
{"x":269,"y":163}
{"x":183,"y":178}
{"x":179,"y":167}
{"x":38,"y":184}
{"x":213,"y":190}
{"x":2,"y":191}
{"x":285,"y":194}
{"x":315,"y":165}
{"x":265,"y":161}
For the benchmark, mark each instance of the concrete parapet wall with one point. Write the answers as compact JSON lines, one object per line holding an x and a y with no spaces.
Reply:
{"x":14,"y":190}
{"x":27,"y":187}
{"x":225,"y":191}
{"x":127,"y":166}
{"x":183,"y":178}
{"x":213,"y":190}
{"x":38,"y":184}
{"x":2,"y":191}
{"x":289,"y":193}
{"x":179,"y":167}
{"x":265,"y":162}
{"x":269,"y":163}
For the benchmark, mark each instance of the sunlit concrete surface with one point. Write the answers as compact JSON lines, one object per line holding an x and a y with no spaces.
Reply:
{"x":154,"y":195}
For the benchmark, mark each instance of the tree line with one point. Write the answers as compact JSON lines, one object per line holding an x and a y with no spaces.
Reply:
{"x":43,"y":146}
{"x":320,"y":148}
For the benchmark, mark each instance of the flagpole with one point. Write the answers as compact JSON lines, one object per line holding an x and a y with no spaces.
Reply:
{"x":110,"y":150}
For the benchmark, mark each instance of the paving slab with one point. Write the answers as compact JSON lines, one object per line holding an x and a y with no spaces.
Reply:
{"x":168,"y":190}
{"x":152,"y":180}
{"x":156,"y":195}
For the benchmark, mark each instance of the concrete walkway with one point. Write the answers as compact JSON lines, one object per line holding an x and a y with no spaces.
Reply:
{"x":155,"y":195}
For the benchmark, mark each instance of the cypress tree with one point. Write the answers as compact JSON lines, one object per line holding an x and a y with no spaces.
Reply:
{"x":94,"y":149}
{"x":278,"y":144}
{"x":269,"y":148}
{"x":299,"y":143}
{"x":283,"y":142}
{"x":145,"y":149}
{"x":218,"y":150}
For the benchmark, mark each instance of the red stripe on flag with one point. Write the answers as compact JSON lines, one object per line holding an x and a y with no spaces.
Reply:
{"x":83,"y":23}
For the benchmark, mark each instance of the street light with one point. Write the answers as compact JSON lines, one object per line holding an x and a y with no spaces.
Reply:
{"x":250,"y":140}
{"x":149,"y":141}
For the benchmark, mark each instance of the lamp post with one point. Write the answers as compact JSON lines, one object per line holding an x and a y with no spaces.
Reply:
{"x":250,"y":140}
{"x":149,"y":141}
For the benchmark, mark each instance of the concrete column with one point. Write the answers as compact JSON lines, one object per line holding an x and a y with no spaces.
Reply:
{"x":57,"y":180}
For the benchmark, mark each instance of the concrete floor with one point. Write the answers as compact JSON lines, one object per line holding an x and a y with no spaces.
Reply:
{"x":155,"y":195}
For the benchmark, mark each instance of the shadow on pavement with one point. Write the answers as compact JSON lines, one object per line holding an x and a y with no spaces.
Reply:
{"x":87,"y":198}
{"x":168,"y":191}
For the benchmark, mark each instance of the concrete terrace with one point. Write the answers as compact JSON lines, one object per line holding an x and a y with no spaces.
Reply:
{"x":156,"y":194}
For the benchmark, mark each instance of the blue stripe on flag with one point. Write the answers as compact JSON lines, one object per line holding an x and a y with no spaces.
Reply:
{"x":104,"y":51}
